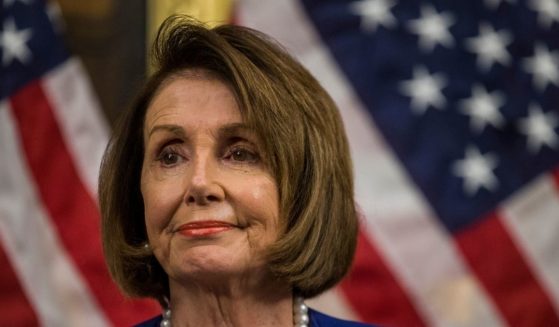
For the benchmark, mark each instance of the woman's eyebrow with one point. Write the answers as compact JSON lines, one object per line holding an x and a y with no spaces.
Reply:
{"x":174,"y":129}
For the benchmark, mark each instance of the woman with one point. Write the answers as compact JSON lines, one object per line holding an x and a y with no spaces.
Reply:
{"x":226,"y":190}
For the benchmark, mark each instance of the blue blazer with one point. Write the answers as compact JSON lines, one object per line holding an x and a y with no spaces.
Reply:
{"x":318,"y":319}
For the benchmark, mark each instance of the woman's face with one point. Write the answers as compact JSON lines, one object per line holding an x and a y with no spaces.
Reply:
{"x":211,"y":205}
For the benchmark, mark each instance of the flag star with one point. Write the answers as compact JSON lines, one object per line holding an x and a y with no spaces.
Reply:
{"x":14,"y":43}
{"x":477,"y":171}
{"x":544,"y":65}
{"x":374,"y":13}
{"x":494,"y":4}
{"x":490,"y":46}
{"x":539,"y":127}
{"x":548,"y":11}
{"x":425,"y":90}
{"x":432,"y":28}
{"x":483,"y":108}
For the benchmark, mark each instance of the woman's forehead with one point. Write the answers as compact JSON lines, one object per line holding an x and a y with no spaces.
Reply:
{"x":193,"y":99}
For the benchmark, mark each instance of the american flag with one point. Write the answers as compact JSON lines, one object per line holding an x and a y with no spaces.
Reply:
{"x":452,"y":112}
{"x":52,"y":136}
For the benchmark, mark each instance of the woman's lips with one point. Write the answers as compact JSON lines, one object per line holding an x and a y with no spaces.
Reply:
{"x":204,"y":228}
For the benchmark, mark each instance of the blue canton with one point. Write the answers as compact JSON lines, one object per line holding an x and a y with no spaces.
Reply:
{"x":465,"y":92}
{"x":29,"y":45}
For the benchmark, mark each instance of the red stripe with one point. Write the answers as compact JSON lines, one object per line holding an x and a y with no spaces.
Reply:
{"x":16,"y":309}
{"x":373,"y":291}
{"x":70,"y":206}
{"x":500,"y":267}
{"x":556,"y":178}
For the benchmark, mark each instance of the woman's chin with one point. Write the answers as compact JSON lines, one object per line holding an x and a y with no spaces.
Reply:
{"x":211,"y":263}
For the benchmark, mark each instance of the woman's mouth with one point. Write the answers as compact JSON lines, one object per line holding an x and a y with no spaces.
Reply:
{"x":204,"y":228}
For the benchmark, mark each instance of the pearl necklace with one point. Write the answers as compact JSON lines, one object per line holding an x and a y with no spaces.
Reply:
{"x":300,"y":314}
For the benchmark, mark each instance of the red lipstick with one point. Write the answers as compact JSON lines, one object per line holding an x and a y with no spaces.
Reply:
{"x":204,"y":228}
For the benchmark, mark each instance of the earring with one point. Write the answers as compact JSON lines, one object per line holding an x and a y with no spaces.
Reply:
{"x":147,"y":246}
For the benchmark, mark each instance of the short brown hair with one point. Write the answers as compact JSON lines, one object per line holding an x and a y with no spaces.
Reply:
{"x":302,"y":135}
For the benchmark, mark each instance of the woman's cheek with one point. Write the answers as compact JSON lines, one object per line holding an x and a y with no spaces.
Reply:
{"x":263,"y":201}
{"x":156,"y":219}
{"x":158,"y":198}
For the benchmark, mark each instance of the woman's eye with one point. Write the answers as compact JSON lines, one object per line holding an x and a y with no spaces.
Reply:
{"x":168,"y":157}
{"x":243,"y":155}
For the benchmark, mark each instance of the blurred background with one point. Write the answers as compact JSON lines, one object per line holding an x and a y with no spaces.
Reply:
{"x":451,"y":110}
{"x":110,"y":38}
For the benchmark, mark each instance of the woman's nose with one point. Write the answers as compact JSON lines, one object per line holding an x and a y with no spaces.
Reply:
{"x":203,"y":186}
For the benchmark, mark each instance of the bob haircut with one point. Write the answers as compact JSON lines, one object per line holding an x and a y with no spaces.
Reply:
{"x":302,"y":134}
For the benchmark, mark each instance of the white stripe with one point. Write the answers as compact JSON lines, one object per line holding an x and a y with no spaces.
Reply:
{"x":421,"y":254}
{"x":51,"y":282}
{"x":79,"y":118}
{"x":532,"y":218}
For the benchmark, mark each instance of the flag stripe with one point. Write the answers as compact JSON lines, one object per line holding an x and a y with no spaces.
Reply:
{"x":54,"y":288}
{"x":488,"y":248}
{"x":79,"y":117}
{"x":427,"y":263}
{"x":46,"y":151}
{"x":16,"y":309}
{"x":370,"y":279}
{"x":532,"y":219}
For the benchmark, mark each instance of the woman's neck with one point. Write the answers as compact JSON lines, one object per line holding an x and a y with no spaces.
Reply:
{"x":194,"y":304}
